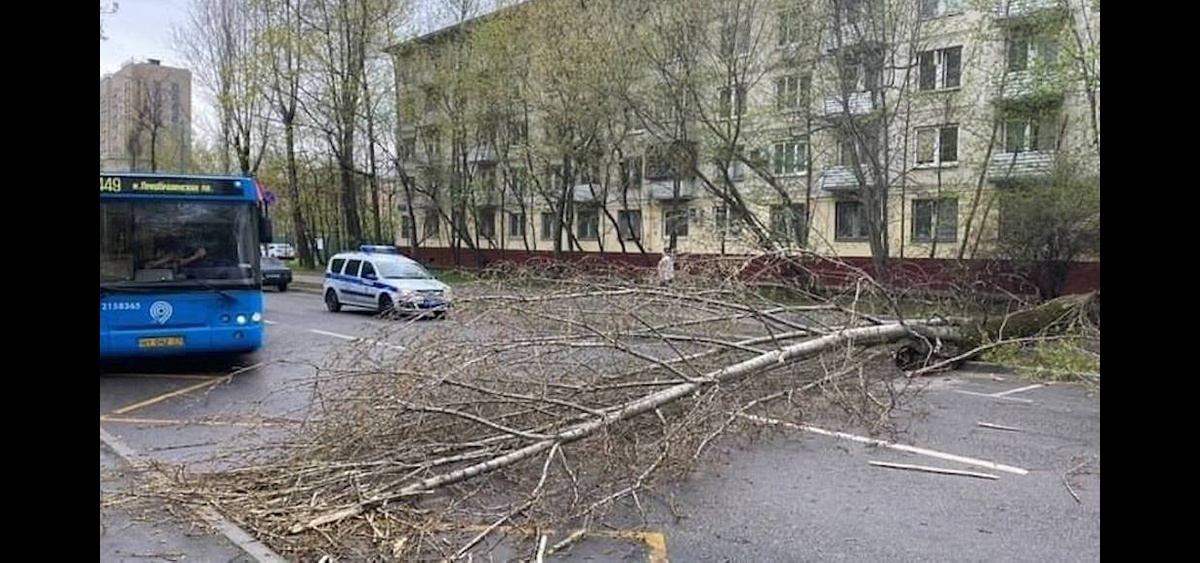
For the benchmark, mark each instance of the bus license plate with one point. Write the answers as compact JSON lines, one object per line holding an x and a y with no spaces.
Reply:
{"x":161,"y":342}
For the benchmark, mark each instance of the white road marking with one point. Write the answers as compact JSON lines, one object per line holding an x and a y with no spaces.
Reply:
{"x":892,"y":445}
{"x":269,"y":322}
{"x":990,"y":396}
{"x":333,"y":334}
{"x":1019,"y":389}
{"x":358,"y":339}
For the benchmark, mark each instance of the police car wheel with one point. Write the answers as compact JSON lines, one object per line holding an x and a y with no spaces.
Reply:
{"x":386,"y":308}
{"x":331,"y":301}
{"x":283,"y":287}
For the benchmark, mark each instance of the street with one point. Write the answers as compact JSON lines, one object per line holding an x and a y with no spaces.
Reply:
{"x":797,"y":494}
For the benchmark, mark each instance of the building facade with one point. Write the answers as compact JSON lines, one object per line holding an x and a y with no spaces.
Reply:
{"x":844,"y":127}
{"x":145,"y":118}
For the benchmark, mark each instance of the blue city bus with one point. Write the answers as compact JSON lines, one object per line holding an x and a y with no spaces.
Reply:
{"x":179,"y":265}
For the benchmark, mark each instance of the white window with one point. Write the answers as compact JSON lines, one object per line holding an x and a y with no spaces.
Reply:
{"x":733,"y":101}
{"x":733,"y":167}
{"x":516,"y":224}
{"x":790,"y":22}
{"x":940,"y":69}
{"x":935,"y":219}
{"x":432,"y":221}
{"x":937,"y":145}
{"x":850,"y":221}
{"x":790,"y":157}
{"x":790,"y":92}
{"x":1027,"y":48}
{"x":735,"y":36}
{"x":675,"y":221}
{"x":588,"y":224}
{"x":935,"y":8}
{"x":787,"y":223}
{"x":1033,"y":131}
{"x":629,"y":224}
{"x":727,"y":222}
{"x":487,"y":222}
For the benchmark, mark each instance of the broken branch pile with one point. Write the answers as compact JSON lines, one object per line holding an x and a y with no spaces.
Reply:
{"x":556,"y":404}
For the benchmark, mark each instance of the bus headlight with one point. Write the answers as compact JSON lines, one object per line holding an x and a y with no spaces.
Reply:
{"x":256,"y":317}
{"x":241,"y":319}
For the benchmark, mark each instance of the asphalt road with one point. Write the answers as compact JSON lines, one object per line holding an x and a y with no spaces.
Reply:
{"x":798,"y":496}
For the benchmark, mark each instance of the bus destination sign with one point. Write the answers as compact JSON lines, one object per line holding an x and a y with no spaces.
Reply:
{"x":163,"y":185}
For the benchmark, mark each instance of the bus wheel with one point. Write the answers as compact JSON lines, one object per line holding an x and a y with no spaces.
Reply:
{"x":331,"y":301}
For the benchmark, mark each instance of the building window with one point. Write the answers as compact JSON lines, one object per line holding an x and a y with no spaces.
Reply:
{"x":850,"y":146}
{"x":518,"y":131}
{"x":788,"y":223}
{"x":1037,"y":131}
{"x":862,"y":70}
{"x":405,"y":225}
{"x":733,"y":101}
{"x":940,"y":69}
{"x":664,"y":161}
{"x":727,"y":222}
{"x":554,"y":174}
{"x":587,"y":224}
{"x":935,"y":8}
{"x":935,"y":219}
{"x":735,"y":37}
{"x":790,"y":22}
{"x":791,"y":92}
{"x":937,"y":145}
{"x":632,"y":168}
{"x":675,"y":221}
{"x":789,"y":157}
{"x":516,"y":224}
{"x":733,"y":162}
{"x":431,"y":223}
{"x":629,"y":224}
{"x":850,"y":221}
{"x":547,"y":230}
{"x":1027,"y":47}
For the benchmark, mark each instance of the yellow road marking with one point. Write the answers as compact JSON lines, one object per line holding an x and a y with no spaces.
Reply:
{"x":656,"y":543}
{"x":168,"y":395}
{"x":206,"y":383}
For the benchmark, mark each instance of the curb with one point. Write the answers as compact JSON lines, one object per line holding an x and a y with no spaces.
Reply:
{"x":249,"y":544}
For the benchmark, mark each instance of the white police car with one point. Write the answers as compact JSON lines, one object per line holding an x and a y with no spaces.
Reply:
{"x":382,"y":280}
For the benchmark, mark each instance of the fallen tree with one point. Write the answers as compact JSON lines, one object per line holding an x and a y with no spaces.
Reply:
{"x":587,"y":395}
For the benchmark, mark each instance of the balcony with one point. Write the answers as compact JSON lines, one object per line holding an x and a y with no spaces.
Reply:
{"x":1025,"y":85}
{"x":1010,"y":10}
{"x":841,"y":179}
{"x":857,"y":103}
{"x":664,"y":190}
{"x":1019,"y":165}
{"x":588,"y":193}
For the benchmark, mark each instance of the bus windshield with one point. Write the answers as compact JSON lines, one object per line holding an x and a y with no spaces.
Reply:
{"x":177,"y":245}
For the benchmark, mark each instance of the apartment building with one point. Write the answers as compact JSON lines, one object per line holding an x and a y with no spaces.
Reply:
{"x":145,"y":118}
{"x":832,"y":126}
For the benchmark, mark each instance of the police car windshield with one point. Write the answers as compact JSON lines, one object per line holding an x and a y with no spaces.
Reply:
{"x":397,"y":270}
{"x":177,"y":244}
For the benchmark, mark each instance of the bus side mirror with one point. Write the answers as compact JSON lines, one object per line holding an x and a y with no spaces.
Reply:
{"x":265,"y":229}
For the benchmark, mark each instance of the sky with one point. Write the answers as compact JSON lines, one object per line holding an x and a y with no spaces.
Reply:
{"x":141,"y":29}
